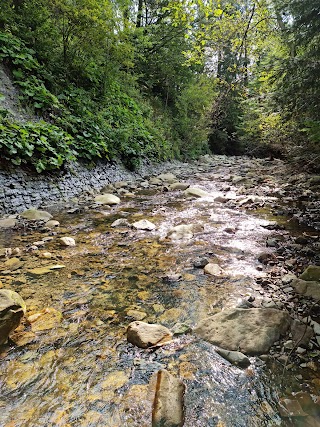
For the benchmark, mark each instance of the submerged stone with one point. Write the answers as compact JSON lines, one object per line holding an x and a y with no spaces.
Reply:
{"x":12,"y":309}
{"x":168,"y":406}
{"x":136,"y":314}
{"x":235,"y":357}
{"x":45,"y":320}
{"x":145,"y":335}
{"x":184,"y":231}
{"x":39,"y":271}
{"x":251,"y":331}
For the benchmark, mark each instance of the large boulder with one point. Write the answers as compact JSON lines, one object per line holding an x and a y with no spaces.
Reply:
{"x":12,"y":309}
{"x":36,"y":215}
{"x":168,"y":405}
{"x":308,"y":288}
{"x":251,"y":331}
{"x":146,"y":335}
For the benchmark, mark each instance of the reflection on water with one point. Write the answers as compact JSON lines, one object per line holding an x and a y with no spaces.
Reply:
{"x":81,"y":371}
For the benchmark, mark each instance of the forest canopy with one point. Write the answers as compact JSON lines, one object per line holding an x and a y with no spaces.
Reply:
{"x":152,"y":79}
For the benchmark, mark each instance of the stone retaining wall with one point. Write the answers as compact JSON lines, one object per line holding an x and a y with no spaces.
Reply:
{"x":20,"y":190}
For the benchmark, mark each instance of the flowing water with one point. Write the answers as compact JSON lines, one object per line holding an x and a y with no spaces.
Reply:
{"x":80,"y":370}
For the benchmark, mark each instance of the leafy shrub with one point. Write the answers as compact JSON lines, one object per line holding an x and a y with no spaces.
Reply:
{"x":41,"y":144}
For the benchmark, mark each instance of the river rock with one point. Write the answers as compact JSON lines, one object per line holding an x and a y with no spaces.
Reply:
{"x":7,"y":222}
{"x":251,"y":331}
{"x":36,"y":215}
{"x":167,"y":177}
{"x":12,"y":309}
{"x":107,"y":199}
{"x":46,"y":319}
{"x":184,"y":231}
{"x":67,"y":241}
{"x":155,"y":181}
{"x":120,"y":184}
{"x":312,"y":273}
{"x":39,"y":271}
{"x":145,"y":335}
{"x":287,"y":278}
{"x":144,"y":224}
{"x":196,"y":192}
{"x":213,"y":269}
{"x":200,"y":262}
{"x":121,"y":222}
{"x":136,"y":314}
{"x":52,"y":223}
{"x":301,"y":333}
{"x":168,"y":405}
{"x":179,"y":186}
{"x":307,"y":288}
{"x":235,"y":357}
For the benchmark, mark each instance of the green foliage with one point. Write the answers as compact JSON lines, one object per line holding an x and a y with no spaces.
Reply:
{"x":193,"y":115}
{"x":40,"y":144}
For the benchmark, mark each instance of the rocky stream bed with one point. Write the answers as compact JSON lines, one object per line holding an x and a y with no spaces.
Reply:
{"x":190,"y":297}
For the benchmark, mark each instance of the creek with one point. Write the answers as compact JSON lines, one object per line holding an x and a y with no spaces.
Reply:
{"x":77,"y":369}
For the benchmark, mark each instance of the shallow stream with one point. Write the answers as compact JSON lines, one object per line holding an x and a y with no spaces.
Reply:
{"x":80,"y":371}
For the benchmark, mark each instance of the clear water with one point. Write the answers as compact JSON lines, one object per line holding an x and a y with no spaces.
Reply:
{"x":82,"y":372}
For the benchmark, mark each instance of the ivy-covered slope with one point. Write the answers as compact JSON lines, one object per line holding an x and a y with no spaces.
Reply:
{"x":71,"y":124}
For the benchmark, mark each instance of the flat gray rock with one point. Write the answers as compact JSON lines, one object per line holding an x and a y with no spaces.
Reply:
{"x":251,"y":331}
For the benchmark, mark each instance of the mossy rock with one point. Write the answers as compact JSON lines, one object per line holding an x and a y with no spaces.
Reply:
{"x":311,"y":273}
